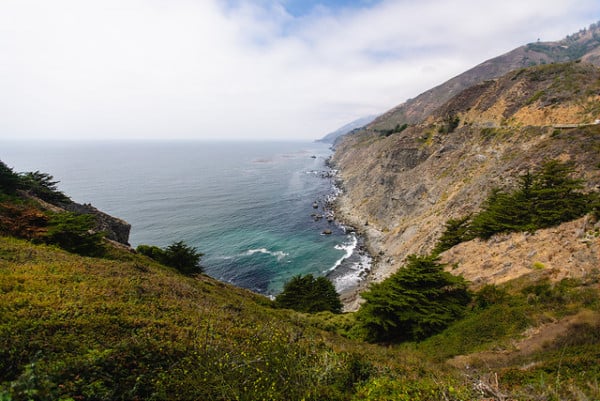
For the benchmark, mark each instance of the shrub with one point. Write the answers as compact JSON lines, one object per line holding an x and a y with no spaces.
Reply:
{"x":416,"y":302}
{"x":184,"y":258}
{"x":309,"y":294}
{"x":73,"y":232}
{"x":22,"y":221}
{"x":152,"y":252}
{"x":490,"y":295}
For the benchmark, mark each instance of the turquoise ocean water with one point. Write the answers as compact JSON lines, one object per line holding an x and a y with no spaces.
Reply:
{"x":246,"y":205}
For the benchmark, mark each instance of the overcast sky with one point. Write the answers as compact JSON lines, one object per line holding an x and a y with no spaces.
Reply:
{"x":244,"y":69}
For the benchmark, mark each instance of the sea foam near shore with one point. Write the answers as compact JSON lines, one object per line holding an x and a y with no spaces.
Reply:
{"x":353,"y":267}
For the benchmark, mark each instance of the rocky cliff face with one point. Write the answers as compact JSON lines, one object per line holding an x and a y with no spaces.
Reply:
{"x":115,"y":229}
{"x":400,"y":189}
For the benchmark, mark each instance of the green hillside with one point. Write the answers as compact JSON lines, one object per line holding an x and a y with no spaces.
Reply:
{"x":75,"y":327}
{"x":125,"y":327}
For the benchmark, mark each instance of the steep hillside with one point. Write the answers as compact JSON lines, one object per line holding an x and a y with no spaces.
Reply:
{"x":584,"y":45}
{"x":401,"y":188}
{"x":127,"y":328}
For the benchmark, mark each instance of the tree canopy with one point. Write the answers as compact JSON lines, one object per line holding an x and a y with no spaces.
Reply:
{"x":9,"y":180}
{"x":419,"y":300}
{"x":309,"y":294}
{"x":543,"y":199}
{"x":37,"y":183}
{"x":43,"y":186}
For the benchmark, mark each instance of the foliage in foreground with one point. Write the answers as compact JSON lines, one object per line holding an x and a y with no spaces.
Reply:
{"x":565,"y":368}
{"x":309,"y":294}
{"x":96,"y":329}
{"x":419,"y":300}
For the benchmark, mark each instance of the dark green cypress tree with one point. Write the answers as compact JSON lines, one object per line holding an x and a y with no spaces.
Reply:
{"x":416,"y":302}
{"x":184,"y":258}
{"x":44,"y":187}
{"x":309,"y":294}
{"x":556,"y":196}
{"x":455,"y":232}
{"x":9,"y":180}
{"x":502,"y":212}
{"x":73,"y":232}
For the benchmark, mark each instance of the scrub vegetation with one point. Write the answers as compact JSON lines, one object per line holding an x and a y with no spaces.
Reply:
{"x":83,"y":319}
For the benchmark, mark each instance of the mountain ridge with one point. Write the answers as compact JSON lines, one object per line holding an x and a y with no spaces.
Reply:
{"x":400,"y":188}
{"x":584,"y":45}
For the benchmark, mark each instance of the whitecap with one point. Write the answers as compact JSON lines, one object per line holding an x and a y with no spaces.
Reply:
{"x":352,"y":268}
{"x":277,"y":254}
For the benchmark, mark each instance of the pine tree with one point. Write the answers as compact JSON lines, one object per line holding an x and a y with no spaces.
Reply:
{"x":44,"y":187}
{"x":556,"y":196}
{"x":184,"y":258}
{"x":455,"y":232}
{"x":309,"y":294}
{"x":9,"y":180}
{"x":542,"y":200}
{"x":416,"y":302}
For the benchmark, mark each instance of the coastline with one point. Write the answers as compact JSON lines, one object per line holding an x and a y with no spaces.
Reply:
{"x":354,"y":272}
{"x":350,"y":296}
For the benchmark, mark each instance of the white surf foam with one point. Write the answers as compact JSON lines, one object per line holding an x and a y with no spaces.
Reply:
{"x":355,"y":274}
{"x":277,"y":254}
{"x":348,"y":247}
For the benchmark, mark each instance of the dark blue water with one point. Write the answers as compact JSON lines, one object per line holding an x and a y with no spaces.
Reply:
{"x":246,"y":205}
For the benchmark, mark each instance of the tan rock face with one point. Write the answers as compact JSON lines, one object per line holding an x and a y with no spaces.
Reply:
{"x":399,"y":190}
{"x":570,"y":250}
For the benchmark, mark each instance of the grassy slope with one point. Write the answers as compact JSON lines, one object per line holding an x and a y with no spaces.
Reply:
{"x":128,"y":328}
{"x":73,"y":327}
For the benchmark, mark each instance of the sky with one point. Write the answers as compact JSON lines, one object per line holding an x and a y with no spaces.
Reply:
{"x":244,"y":69}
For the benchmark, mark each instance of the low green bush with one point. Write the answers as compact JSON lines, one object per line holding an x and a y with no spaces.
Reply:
{"x":73,"y":232}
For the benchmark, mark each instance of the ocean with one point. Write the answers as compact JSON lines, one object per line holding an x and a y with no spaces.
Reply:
{"x":247,"y":206}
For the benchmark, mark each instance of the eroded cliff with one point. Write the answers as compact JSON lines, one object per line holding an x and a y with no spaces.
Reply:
{"x":400,"y":188}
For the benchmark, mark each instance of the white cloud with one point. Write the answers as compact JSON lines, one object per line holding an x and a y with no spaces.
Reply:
{"x":204,"y":69}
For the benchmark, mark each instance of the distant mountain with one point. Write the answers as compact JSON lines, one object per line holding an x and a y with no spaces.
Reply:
{"x":361,"y":122}
{"x":583,"y":45}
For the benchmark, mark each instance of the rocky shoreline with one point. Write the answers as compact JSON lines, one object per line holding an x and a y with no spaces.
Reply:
{"x":350,"y":297}
{"x":356,"y":270}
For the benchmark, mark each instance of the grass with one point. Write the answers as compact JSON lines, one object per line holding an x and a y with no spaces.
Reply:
{"x":565,"y":368}
{"x":124,"y":327}
{"x":83,"y":328}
